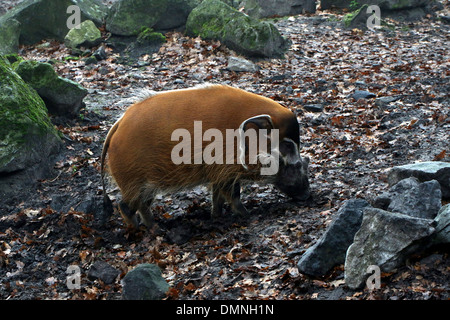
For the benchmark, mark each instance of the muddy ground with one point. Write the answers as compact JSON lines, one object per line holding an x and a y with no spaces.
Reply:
{"x":50,"y":224}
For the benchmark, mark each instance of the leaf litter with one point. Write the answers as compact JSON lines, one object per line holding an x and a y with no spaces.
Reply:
{"x":351,"y":144}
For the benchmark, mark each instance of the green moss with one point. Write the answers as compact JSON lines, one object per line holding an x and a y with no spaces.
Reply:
{"x":36,"y":74}
{"x":349,"y":17}
{"x":401,"y":4}
{"x":210,"y":18}
{"x":148,"y":35}
{"x":19,"y":100}
{"x":23,"y":116}
{"x":354,"y":5}
{"x":87,"y":35}
{"x":214,"y":19}
{"x":14,"y":59}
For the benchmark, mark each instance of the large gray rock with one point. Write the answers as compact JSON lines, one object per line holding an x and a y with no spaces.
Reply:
{"x":410,"y":197}
{"x":395,"y":4}
{"x":339,"y":4}
{"x":386,"y":240}
{"x":443,"y":226}
{"x":47,"y":19}
{"x":62,"y":96}
{"x":127,"y":17}
{"x":331,"y":248}
{"x":213,"y":19}
{"x":27,"y":136}
{"x":277,"y":8}
{"x":424,"y":171}
{"x":9,"y":36}
{"x":176,"y":14}
{"x":144,"y":282}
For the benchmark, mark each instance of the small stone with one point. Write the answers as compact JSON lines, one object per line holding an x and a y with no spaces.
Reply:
{"x":360,"y":94}
{"x":103,"y":271}
{"x":314,"y":107}
{"x":90,"y":60}
{"x":241,"y":65}
{"x":384,"y":101}
{"x":100,"y":54}
{"x":144,"y":282}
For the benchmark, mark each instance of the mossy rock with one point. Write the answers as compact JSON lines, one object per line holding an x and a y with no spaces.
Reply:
{"x":27,"y":136}
{"x":9,"y":36}
{"x":47,"y":19}
{"x":62,"y":97}
{"x":87,"y":35}
{"x":127,"y":17}
{"x":213,"y":19}
{"x":357,"y":18}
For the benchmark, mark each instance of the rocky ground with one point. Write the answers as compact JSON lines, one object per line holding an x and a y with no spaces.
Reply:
{"x":352,"y":143}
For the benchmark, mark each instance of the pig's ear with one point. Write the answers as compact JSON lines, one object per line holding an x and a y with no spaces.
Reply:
{"x":263,"y":121}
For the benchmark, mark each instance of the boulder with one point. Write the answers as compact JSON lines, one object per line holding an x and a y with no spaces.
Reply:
{"x":338,"y":4}
{"x":213,"y":19}
{"x":127,"y":17}
{"x":9,"y":36}
{"x":424,"y":171}
{"x":277,"y":8}
{"x":47,"y":19}
{"x":144,"y":282}
{"x":395,"y":4}
{"x":410,"y":197}
{"x":87,"y":35}
{"x":407,"y":14}
{"x":331,"y":248}
{"x":443,"y":226}
{"x":385,"y":239}
{"x":399,"y":10}
{"x":93,"y":10}
{"x":62,"y":97}
{"x":27,"y":136}
{"x":176,"y":14}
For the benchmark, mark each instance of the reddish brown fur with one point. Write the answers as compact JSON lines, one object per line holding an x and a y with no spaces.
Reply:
{"x":139,"y":144}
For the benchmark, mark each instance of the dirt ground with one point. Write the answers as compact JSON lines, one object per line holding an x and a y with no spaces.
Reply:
{"x":53,"y":223}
